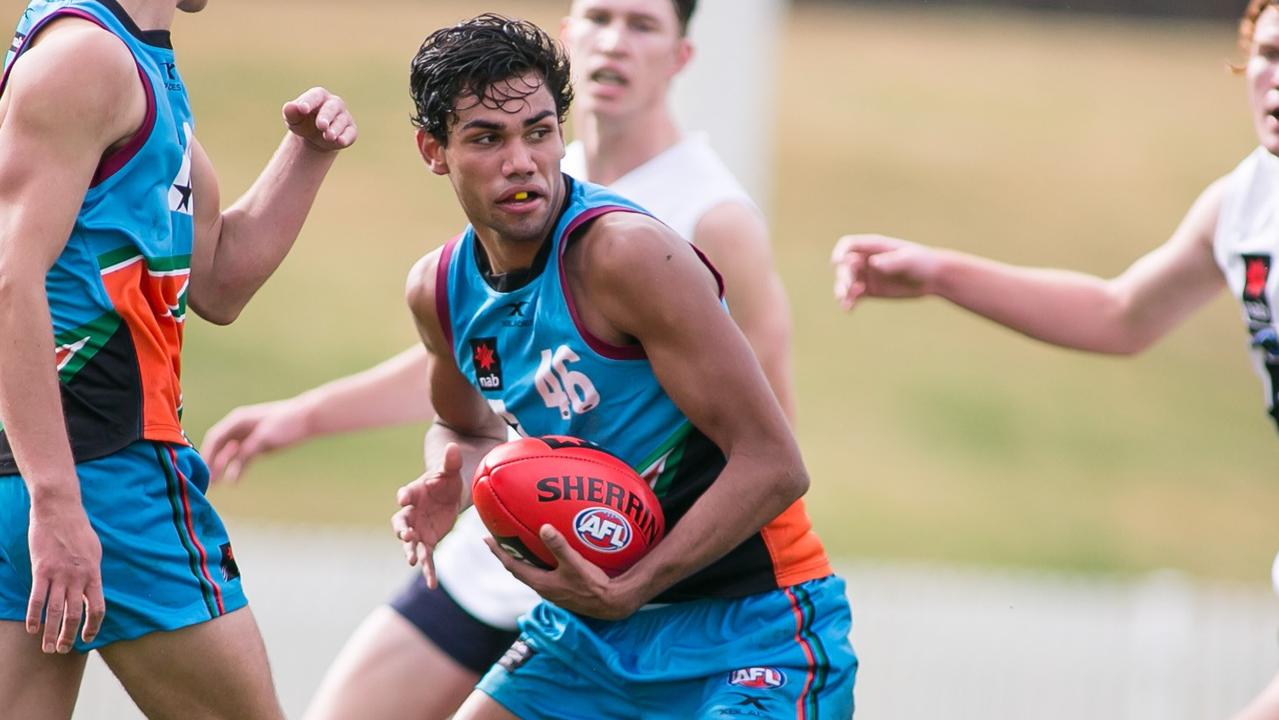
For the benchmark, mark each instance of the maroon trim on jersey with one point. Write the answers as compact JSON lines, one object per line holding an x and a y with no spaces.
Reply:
{"x":606,"y":349}
{"x":111,"y":162}
{"x":719,"y":279}
{"x":442,"y":289}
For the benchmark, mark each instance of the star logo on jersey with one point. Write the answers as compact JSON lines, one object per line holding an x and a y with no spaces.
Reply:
{"x":488,"y":365}
{"x":180,"y":192}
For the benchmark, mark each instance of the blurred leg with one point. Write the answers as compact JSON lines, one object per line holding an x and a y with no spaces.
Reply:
{"x":389,"y":670}
{"x":215,"y":670}
{"x":33,"y":685}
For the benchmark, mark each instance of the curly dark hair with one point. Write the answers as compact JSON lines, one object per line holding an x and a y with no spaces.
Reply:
{"x":473,"y":58}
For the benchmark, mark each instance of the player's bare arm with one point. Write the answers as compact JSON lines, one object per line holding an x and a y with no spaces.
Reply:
{"x":646,"y":285}
{"x":236,"y":250}
{"x":1123,"y":315}
{"x":393,"y":392}
{"x":50,"y":156}
{"x":735,"y":239}
{"x":465,"y":428}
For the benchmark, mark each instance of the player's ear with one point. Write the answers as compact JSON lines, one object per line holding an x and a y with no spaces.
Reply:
{"x":683,"y":54}
{"x":432,"y":152}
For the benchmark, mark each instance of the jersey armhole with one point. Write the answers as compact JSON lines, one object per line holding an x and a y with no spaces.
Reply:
{"x":114,"y":160}
{"x":442,"y":289}
{"x":600,"y":346}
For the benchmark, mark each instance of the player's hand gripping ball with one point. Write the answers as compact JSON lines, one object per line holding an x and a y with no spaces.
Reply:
{"x":603,"y":507}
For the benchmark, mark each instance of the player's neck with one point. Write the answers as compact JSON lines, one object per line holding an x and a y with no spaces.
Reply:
{"x":617,"y":145}
{"x":505,"y":254}
{"x":151,"y":14}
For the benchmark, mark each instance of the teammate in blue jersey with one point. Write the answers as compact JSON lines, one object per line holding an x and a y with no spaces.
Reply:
{"x":626,"y":54}
{"x":628,"y":345}
{"x":110,"y":227}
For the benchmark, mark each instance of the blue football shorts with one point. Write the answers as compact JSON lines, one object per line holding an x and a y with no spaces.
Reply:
{"x":166,"y":559}
{"x":780,"y":654}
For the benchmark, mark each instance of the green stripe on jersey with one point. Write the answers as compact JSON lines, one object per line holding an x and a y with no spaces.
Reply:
{"x":83,"y":343}
{"x":665,"y":459}
{"x":160,"y":264}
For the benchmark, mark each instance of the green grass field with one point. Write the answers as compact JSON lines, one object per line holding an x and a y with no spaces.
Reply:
{"x":930,"y":435}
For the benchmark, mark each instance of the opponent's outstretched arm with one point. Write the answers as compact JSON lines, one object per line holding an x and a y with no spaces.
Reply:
{"x":49,"y":158}
{"x":1124,"y":315}
{"x":647,"y":284}
{"x":236,"y":250}
{"x":393,"y":392}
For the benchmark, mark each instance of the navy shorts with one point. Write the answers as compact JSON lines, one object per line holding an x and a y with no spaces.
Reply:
{"x":473,"y":643}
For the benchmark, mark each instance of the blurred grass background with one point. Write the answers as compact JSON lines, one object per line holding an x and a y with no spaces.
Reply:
{"x":930,"y":435}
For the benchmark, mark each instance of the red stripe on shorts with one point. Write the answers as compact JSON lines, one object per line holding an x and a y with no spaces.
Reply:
{"x":186,"y":516}
{"x":808,"y":654}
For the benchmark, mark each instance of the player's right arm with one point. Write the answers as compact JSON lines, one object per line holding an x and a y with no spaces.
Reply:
{"x":50,"y":153}
{"x":393,"y":392}
{"x":1124,"y":315}
{"x":465,"y":428}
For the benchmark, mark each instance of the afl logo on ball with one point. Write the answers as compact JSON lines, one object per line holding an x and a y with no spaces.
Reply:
{"x":603,"y":529}
{"x":761,"y":678}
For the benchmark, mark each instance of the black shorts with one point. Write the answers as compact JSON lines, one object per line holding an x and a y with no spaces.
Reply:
{"x":474,"y":644}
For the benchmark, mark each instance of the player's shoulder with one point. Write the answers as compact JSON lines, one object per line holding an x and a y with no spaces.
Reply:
{"x":74,"y":68}
{"x":619,"y":242}
{"x":96,"y":54}
{"x":728,"y":222}
{"x":419,"y":288}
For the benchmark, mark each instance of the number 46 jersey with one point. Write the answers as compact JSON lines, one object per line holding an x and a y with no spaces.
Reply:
{"x":521,"y":345}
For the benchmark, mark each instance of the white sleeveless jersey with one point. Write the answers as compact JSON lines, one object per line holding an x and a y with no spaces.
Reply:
{"x":1245,"y":247}
{"x":678,"y":186}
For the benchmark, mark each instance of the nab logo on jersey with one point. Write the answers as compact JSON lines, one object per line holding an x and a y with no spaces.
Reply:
{"x":760,"y":678}
{"x":604,"y":529}
{"x":488,"y":366}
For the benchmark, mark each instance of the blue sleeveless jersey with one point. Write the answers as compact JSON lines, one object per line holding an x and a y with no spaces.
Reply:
{"x":117,"y":293}
{"x":542,"y":371}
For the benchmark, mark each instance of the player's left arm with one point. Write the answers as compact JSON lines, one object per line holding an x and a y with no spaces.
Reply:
{"x":648,"y":284}
{"x":734,"y":237}
{"x":237,"y":249}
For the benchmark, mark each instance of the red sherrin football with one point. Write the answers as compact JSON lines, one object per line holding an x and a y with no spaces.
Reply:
{"x":603,"y":507}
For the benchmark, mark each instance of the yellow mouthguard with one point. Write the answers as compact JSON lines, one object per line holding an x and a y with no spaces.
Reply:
{"x":521,"y":196}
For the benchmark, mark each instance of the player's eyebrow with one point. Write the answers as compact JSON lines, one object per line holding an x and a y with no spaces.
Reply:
{"x":538,"y":118}
{"x":484,"y":125}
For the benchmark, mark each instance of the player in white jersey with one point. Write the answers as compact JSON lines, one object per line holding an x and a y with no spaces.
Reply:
{"x":625,"y":54}
{"x":1229,"y":239}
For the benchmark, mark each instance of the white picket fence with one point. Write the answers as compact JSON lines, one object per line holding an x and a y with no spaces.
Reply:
{"x":935,"y":643}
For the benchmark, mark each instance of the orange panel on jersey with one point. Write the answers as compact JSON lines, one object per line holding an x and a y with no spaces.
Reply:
{"x":153,"y":307}
{"x":798,"y":555}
